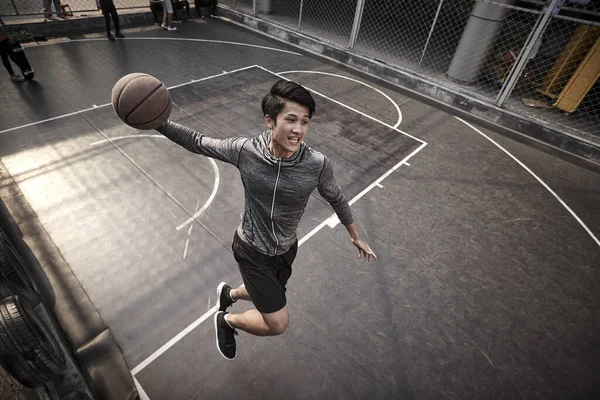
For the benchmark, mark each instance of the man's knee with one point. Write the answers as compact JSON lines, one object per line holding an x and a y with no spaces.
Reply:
{"x":278,"y":327}
{"x":277,"y":321}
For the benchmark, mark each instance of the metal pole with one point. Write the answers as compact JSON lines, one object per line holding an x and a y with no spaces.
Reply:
{"x":437,"y":14}
{"x":360,"y":6}
{"x":300,"y":16}
{"x":15,"y":7}
{"x":255,"y":8}
{"x":518,"y":66}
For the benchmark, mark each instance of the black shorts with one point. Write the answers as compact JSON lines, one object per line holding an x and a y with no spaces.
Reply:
{"x":264,"y":276}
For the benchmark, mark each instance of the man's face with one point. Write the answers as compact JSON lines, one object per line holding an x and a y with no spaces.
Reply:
{"x":287,"y":134}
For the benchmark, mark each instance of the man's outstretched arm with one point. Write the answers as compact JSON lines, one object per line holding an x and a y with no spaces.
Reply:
{"x":227,"y":150}
{"x":331,"y":191}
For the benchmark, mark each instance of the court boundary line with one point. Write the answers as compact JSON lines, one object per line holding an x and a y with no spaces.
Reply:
{"x":193,"y":217}
{"x":141,"y":392}
{"x":94,"y":107}
{"x":346,"y":106}
{"x":155,"y":355}
{"x":381,"y":92}
{"x":178,"y":39}
{"x":544,"y":184}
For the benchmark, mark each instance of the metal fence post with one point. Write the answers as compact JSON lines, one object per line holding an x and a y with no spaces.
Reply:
{"x":360,"y":6}
{"x":437,"y":14}
{"x":300,"y":16}
{"x":255,"y":8}
{"x":15,"y":7}
{"x":530,"y":44}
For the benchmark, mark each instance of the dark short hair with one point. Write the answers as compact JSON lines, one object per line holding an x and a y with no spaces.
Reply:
{"x":283,"y":91}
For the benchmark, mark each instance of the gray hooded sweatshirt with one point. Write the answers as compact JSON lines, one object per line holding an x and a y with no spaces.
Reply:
{"x":276,"y":189}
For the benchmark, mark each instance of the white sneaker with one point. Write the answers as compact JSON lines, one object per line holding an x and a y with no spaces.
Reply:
{"x":171,"y":28}
{"x":164,"y":26}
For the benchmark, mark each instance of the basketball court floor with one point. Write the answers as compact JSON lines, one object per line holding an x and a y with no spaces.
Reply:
{"x":486,"y":284}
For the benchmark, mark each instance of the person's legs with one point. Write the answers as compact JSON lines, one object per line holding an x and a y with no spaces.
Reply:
{"x":106,"y":12}
{"x":186,"y":3}
{"x":264,"y":284}
{"x":57,"y":8}
{"x":198,"y":5}
{"x":47,"y":9}
{"x":156,"y":9}
{"x":260,"y":324}
{"x":115,"y":18}
{"x":214,"y":9}
{"x":176,"y":6}
{"x":5,"y":53}
{"x":240,"y":294}
{"x":168,"y":15}
{"x":265,"y":278}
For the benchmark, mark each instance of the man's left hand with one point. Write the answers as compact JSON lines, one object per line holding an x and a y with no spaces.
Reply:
{"x":364,"y":251}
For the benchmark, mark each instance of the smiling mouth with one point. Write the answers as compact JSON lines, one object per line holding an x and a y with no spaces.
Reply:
{"x":294,"y":141}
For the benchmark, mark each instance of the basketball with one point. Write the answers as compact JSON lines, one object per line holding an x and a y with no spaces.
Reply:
{"x":141,"y":101}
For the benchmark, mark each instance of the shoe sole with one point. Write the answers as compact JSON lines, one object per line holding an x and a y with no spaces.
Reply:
{"x":217,"y":337}
{"x":219,"y":290}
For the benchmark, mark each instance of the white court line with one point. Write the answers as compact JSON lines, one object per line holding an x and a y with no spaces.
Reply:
{"x":210,"y":199}
{"x":537,"y":178}
{"x":140,"y":389}
{"x":108,"y":104}
{"x":187,"y":241}
{"x":397,"y":124}
{"x":171,"y":342}
{"x":379,"y":185}
{"x":212,"y":196}
{"x":347,"y":106}
{"x":143,"y":135}
{"x":178,"y":39}
{"x":334,"y":220}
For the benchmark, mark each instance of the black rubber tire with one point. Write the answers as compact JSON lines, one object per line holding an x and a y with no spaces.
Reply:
{"x":14,"y":277}
{"x":28,"y":350}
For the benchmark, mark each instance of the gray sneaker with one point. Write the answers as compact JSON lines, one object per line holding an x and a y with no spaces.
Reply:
{"x":17,"y":78}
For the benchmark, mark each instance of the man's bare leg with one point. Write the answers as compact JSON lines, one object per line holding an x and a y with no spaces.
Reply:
{"x":260,"y":324}
{"x":240,"y":294}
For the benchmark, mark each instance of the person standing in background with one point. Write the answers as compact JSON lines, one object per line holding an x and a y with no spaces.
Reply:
{"x":7,"y":54}
{"x":214,"y":9}
{"x":168,"y":15}
{"x":108,"y":10}
{"x":48,"y":9}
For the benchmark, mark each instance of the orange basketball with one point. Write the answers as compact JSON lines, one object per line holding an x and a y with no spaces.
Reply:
{"x":141,"y":101}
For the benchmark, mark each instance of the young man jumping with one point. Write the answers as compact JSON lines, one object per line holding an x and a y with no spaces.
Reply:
{"x":279,"y":172}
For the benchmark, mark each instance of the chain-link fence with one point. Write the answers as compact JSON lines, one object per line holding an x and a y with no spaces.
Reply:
{"x":245,"y":6}
{"x":32,"y":7}
{"x":559,"y":81}
{"x":535,"y":57}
